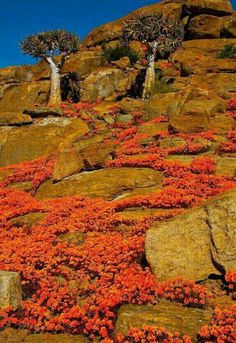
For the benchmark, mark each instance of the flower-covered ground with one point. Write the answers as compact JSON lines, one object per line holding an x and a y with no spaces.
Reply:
{"x":77,"y":285}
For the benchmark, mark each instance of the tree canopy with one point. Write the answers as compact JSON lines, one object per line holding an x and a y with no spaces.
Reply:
{"x":149,"y":28}
{"x":47,"y":44}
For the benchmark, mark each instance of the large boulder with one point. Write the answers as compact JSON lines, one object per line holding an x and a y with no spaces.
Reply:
{"x":18,"y":96}
{"x":215,"y":7}
{"x":205,"y":26}
{"x":192,"y":109}
{"x":42,"y":138}
{"x":10,"y":289}
{"x":171,"y":316}
{"x":199,"y":56}
{"x":105,"y":183}
{"x":107,"y":83}
{"x":14,"y":118}
{"x":196,"y":244}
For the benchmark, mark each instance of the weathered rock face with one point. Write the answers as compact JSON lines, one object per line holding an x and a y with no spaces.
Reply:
{"x":41,"y":138}
{"x":215,"y":7}
{"x":107,"y":83}
{"x":196,"y":244}
{"x":10,"y":289}
{"x":18,"y":96}
{"x":173,"y":317}
{"x":205,"y":26}
{"x":14,"y":118}
{"x":68,"y":162}
{"x":192,"y":109}
{"x":104,"y":183}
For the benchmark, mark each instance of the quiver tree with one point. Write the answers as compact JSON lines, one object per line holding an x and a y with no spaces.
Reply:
{"x":47,"y":45}
{"x":160,"y":35}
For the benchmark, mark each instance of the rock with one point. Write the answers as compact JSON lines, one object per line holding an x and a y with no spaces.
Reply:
{"x":11,"y":335}
{"x":28,"y":220}
{"x":130,"y":105}
{"x":104,"y":183}
{"x":198,"y":243}
{"x":25,"y":186}
{"x":226,"y":166}
{"x":96,"y":156}
{"x":107,"y":83}
{"x":171,"y":142}
{"x":214,"y":7}
{"x":229,"y":29}
{"x":153,"y":129}
{"x":10,"y":289}
{"x":17,"y":97}
{"x":75,"y":237}
{"x":205,"y":26}
{"x":171,"y":316}
{"x":15,"y":74}
{"x":14,"y":118}
{"x":42,"y":138}
{"x":122,"y":63}
{"x":124,"y":119}
{"x":192,"y":109}
{"x":68,"y":162}
{"x":37,"y":112}
{"x":157,"y":105}
{"x":199,"y":56}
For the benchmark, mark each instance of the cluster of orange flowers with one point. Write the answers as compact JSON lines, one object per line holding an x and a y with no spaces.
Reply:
{"x":222,"y":327}
{"x":230,"y":145}
{"x":230,"y":278}
{"x":152,"y":335}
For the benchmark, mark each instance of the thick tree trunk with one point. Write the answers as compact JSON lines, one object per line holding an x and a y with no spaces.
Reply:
{"x":150,"y":73}
{"x":55,"y":84}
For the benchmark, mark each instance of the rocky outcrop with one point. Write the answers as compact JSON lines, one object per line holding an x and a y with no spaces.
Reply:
{"x":196,"y":244}
{"x":41,"y":138}
{"x":192,"y":109}
{"x":14,"y":118}
{"x":10,"y":289}
{"x":173,"y":317}
{"x":107,"y":83}
{"x":105,"y":183}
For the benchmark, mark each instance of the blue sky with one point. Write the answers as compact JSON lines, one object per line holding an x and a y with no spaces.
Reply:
{"x":21,"y":17}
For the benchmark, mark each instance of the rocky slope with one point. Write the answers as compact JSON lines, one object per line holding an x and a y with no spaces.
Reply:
{"x":92,"y":194}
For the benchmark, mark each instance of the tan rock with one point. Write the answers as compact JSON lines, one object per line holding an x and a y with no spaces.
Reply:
{"x":11,"y":335}
{"x":200,"y":57}
{"x":42,"y":138}
{"x":14,"y":118}
{"x":215,"y":7}
{"x":104,"y":183}
{"x":68,"y":162}
{"x":107,"y":83}
{"x":122,"y":63}
{"x":17,"y":97}
{"x":205,"y":26}
{"x":28,"y":220}
{"x":158,"y":105}
{"x":171,"y":316}
{"x":10,"y":289}
{"x":198,"y":243}
{"x":192,"y":109}
{"x":229,"y":29}
{"x":226,"y":166}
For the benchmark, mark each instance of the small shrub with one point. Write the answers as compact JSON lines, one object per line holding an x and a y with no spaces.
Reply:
{"x":161,"y":85}
{"x":114,"y":54}
{"x":229,"y":51}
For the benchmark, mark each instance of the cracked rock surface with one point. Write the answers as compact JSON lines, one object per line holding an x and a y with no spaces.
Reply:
{"x":195,"y":244}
